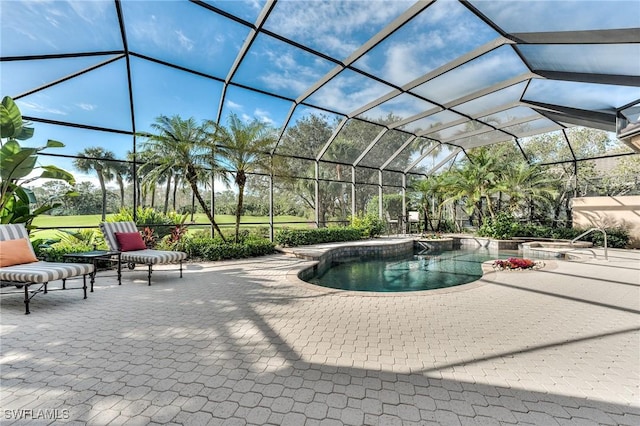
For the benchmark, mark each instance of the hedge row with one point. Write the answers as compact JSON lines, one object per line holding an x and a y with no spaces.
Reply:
{"x":214,"y":249}
{"x":303,"y":237}
{"x":201,"y":248}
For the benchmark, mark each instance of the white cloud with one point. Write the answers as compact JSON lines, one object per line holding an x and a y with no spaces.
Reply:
{"x":90,"y":11}
{"x":184,"y":41}
{"x":263,"y":116}
{"x":336,"y":27}
{"x":27,"y":107}
{"x":87,"y":107}
{"x":54,"y":22}
{"x":233,"y":105}
{"x":347,"y":92}
{"x":439,"y":34}
{"x":289,"y":72}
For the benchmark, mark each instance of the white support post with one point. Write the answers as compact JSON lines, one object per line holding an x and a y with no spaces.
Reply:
{"x":317,"y":193}
{"x":271,"y":198}
{"x":353,"y":191}
{"x":404,"y":203}
{"x":380,"y":195}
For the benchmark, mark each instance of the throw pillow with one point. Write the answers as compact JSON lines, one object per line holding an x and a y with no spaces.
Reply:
{"x":16,"y":252}
{"x":130,"y":241}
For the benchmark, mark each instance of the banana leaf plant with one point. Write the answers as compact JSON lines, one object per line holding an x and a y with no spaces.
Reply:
{"x":19,"y":167}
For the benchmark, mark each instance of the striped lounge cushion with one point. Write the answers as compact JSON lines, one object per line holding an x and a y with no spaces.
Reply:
{"x":42,"y":272}
{"x":14,"y":231}
{"x":147,"y":257}
{"x":153,"y":257}
{"x":109,"y":230}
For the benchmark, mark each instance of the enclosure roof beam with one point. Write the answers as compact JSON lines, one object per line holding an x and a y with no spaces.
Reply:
{"x":251,"y":37}
{"x":368,"y":148}
{"x":69,"y":77}
{"x":332,"y":137}
{"x":486,"y":48}
{"x":444,"y":161}
{"x":597,"y":116}
{"x":419,"y":159}
{"x":494,"y":88}
{"x":398,"y":151}
{"x":581,"y":77}
{"x":405,"y":17}
{"x":610,"y":36}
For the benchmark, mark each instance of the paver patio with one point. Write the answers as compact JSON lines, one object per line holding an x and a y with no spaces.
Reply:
{"x":245,"y":342}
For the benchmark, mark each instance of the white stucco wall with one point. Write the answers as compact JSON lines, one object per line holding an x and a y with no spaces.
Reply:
{"x":609,"y":212}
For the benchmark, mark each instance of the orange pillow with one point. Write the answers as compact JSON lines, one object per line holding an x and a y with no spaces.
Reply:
{"x":16,"y":252}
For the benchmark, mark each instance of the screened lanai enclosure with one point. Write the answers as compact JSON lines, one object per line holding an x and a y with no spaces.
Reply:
{"x":362,"y":100}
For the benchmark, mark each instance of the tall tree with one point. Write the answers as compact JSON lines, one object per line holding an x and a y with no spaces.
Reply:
{"x":184,"y":145}
{"x":525,"y":185}
{"x":475,"y":182}
{"x":433,"y":190}
{"x":242,"y":146}
{"x":100,"y":161}
{"x":121,"y":172}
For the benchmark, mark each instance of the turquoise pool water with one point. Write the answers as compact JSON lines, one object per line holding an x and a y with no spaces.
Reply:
{"x":411,"y":273}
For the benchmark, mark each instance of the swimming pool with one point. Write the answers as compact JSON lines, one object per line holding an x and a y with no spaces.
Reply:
{"x":408,"y":273}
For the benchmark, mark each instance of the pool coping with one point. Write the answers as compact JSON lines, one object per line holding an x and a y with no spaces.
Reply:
{"x":316,"y":254}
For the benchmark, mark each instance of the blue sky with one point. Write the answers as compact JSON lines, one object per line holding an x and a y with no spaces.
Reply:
{"x":184,"y":34}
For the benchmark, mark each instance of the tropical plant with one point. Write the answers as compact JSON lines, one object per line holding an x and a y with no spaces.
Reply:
{"x":183,"y":145}
{"x":476,"y":182}
{"x":90,"y":237}
{"x":433,"y":191}
{"x":242,"y":145}
{"x":503,"y":226}
{"x":18,"y":167}
{"x":526,"y":184}
{"x":121,"y":172}
{"x":99,"y":160}
{"x":369,"y":224}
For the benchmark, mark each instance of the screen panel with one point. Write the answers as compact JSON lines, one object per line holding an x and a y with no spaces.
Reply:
{"x":171,"y":92}
{"x":98,"y":98}
{"x":183,"y":34}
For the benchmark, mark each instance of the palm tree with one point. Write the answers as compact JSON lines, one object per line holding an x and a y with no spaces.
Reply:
{"x":158,"y":170}
{"x":183,"y":145}
{"x":433,"y":190}
{"x":475,"y":183}
{"x":242,"y":147}
{"x":524,"y":183}
{"x":147,"y":187}
{"x":101,"y":161}
{"x":121,"y":172}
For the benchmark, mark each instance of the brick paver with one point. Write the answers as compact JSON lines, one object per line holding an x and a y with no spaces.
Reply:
{"x":246,"y":341}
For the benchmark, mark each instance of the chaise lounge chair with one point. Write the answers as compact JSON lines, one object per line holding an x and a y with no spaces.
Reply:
{"x":20,"y":267}
{"x":124,"y":237}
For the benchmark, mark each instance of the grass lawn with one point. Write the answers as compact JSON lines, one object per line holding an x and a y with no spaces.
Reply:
{"x":224,"y":221}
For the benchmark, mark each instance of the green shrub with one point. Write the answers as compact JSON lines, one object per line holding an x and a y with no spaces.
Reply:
{"x":502,"y":227}
{"x":55,"y":252}
{"x":162,"y":224}
{"x":370,"y":225}
{"x":207,"y":248}
{"x":301,"y":237}
{"x":616,"y":237}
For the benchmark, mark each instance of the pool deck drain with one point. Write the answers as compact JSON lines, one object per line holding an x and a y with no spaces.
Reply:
{"x":244,"y":342}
